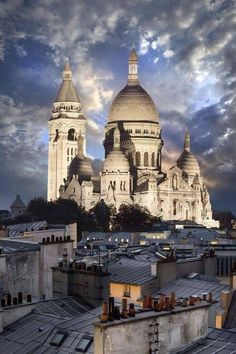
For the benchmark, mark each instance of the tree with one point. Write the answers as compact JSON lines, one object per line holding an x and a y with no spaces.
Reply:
{"x":133,"y":217}
{"x":103,"y":215}
{"x":38,"y":209}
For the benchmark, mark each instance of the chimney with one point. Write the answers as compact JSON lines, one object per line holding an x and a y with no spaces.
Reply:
{"x":104,"y":316}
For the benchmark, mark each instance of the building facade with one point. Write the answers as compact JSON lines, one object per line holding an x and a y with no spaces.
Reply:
{"x":132,"y":170}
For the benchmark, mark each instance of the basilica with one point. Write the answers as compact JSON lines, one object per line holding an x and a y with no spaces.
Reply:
{"x":132,"y":169}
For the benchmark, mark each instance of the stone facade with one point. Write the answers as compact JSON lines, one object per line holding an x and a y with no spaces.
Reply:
{"x":132,"y":170}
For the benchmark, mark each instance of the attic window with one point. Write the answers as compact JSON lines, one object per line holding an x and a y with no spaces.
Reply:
{"x":58,"y":338}
{"x":84,"y":344}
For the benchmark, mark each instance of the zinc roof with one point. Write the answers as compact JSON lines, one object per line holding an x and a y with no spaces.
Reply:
{"x":130,"y":271}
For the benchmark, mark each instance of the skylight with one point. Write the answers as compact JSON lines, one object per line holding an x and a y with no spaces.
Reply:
{"x":58,"y":338}
{"x":84,"y":344}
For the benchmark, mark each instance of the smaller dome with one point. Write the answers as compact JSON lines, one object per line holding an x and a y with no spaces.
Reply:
{"x":82,"y":167}
{"x":187,"y":162}
{"x":116,"y":161}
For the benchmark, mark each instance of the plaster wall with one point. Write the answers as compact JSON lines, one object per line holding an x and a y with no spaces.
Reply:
{"x":19,"y":272}
{"x":176,"y":331}
{"x":49,"y":255}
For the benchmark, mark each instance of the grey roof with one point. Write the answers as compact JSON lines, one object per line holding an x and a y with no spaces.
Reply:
{"x":34,"y":332}
{"x":11,"y":246}
{"x":15,"y":230}
{"x":63,"y":307}
{"x":130,"y":271}
{"x":220,"y":341}
{"x":185,"y":287}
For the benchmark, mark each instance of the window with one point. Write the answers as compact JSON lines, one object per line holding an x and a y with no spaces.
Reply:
{"x":71,"y":134}
{"x":71,"y":151}
{"x":153,"y":159}
{"x":127,"y":290}
{"x":56,"y":135}
{"x":84,"y":344}
{"x":58,"y":338}
{"x":138,"y":158}
{"x":145,"y":159}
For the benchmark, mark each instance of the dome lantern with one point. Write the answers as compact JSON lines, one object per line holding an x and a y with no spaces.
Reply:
{"x":133,"y":68}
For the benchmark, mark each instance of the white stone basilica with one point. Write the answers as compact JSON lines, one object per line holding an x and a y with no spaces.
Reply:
{"x":132,"y":171}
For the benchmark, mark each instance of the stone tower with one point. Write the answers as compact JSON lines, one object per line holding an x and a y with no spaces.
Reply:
{"x":66,"y":124}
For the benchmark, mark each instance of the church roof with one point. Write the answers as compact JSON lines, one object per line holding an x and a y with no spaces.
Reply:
{"x":187,"y":162}
{"x":18,"y":203}
{"x":67,"y":91}
{"x":82,"y":167}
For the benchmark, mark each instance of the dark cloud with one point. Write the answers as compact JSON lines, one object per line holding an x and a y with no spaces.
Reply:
{"x":187,"y":63}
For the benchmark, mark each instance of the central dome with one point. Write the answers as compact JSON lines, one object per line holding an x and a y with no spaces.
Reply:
{"x":133,"y":103}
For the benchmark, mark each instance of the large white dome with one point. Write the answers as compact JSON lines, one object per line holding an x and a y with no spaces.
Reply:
{"x":133,"y":103}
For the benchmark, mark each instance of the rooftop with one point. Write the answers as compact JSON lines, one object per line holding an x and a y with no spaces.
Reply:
{"x":130,"y":271}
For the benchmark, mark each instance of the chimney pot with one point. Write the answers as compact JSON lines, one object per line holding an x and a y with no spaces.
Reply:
{"x":210,"y":297}
{"x":145,"y":302}
{"x":124,"y":308}
{"x":8,"y":299}
{"x":131,"y":310}
{"x":104,"y":317}
{"x":20,"y":298}
{"x":150,"y":302}
{"x":111,"y":308}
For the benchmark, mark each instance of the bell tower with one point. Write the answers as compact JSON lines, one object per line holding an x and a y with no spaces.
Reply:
{"x":66,"y":124}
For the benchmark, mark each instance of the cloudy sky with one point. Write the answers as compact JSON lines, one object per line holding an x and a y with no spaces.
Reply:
{"x":187,"y":62}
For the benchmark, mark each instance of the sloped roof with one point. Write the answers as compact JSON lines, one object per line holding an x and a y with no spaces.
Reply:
{"x":217,"y":341}
{"x":34,"y":332}
{"x":130,"y":271}
{"x":16,"y":229}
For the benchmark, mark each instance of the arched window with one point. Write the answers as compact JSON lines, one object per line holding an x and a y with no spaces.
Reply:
{"x":71,"y":135}
{"x":145,"y":159}
{"x":137,"y":158}
{"x":175,"y":205}
{"x":56,"y":135}
{"x":153,"y":159}
{"x":187,"y":210}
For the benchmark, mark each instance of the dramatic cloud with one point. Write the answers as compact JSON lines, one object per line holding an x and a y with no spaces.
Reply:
{"x":187,"y":63}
